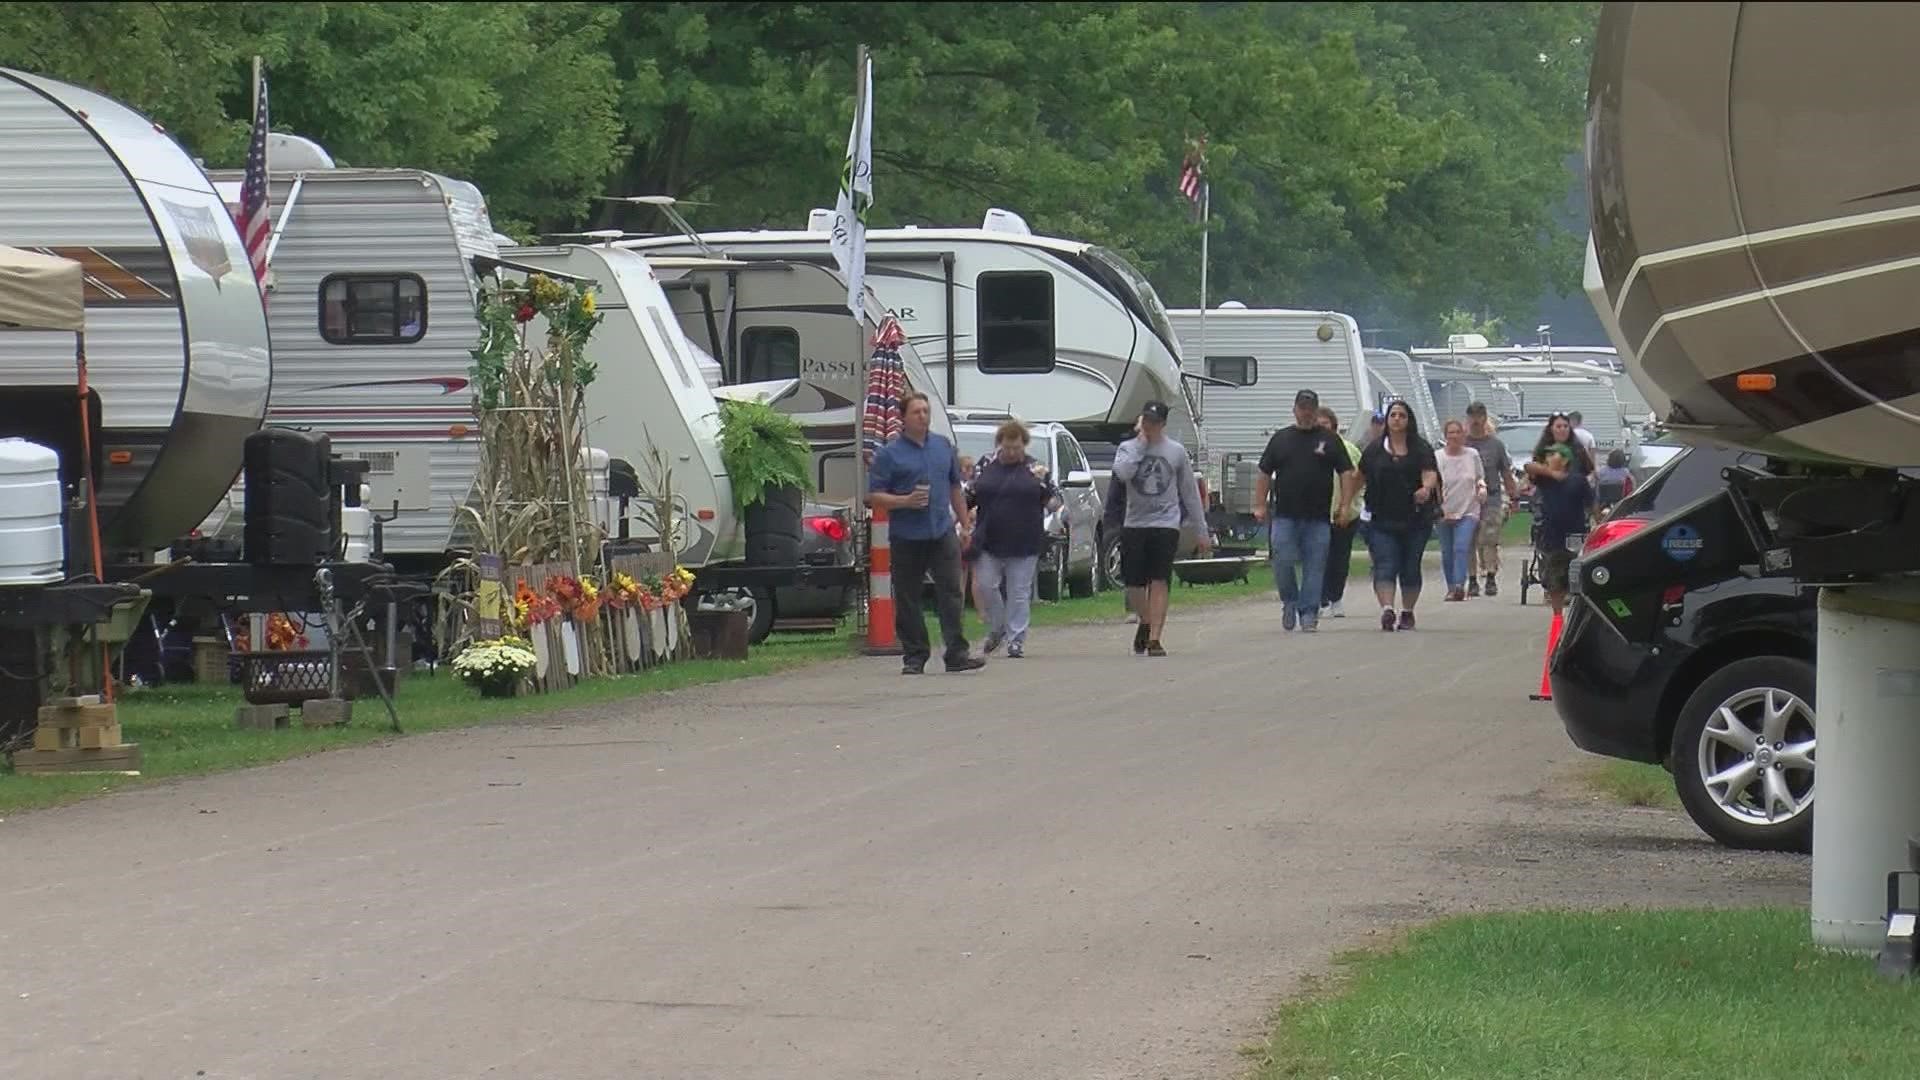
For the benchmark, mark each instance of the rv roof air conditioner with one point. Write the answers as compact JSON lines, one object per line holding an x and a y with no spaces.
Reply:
{"x":1005,"y":221}
{"x":1232,"y":305}
{"x":292,"y":153}
{"x":819,"y":219}
{"x":1466,"y":341}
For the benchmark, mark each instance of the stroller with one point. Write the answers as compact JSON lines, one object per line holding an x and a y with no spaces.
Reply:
{"x":1532,"y":571}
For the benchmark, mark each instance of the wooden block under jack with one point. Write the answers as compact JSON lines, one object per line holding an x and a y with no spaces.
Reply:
{"x":262,"y":717}
{"x":92,"y":714}
{"x":123,"y":759}
{"x":326,"y":712}
{"x":99,"y":738}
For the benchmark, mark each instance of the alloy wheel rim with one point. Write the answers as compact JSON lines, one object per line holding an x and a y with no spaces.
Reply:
{"x":1756,"y":756}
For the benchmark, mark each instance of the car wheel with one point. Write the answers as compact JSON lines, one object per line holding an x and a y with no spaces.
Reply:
{"x":1053,"y":572}
{"x":1110,"y":561}
{"x":1082,"y":585}
{"x":1742,"y":755}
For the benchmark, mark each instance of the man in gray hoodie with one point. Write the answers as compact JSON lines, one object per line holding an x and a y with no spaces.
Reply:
{"x":1162,"y":495}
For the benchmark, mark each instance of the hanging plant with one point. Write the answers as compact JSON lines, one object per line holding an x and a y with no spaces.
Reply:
{"x":763,"y":449}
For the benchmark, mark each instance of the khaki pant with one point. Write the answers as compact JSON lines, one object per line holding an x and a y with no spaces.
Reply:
{"x":1484,"y":558}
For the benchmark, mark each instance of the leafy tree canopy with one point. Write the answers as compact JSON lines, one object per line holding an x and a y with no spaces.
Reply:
{"x":1400,"y":161}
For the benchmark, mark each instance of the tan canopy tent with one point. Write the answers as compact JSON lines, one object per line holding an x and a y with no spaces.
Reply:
{"x":41,"y":292}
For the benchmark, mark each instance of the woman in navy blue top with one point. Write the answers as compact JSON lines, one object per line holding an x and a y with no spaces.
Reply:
{"x":1012,"y":493}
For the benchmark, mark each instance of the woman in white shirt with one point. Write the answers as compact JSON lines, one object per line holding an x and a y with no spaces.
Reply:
{"x":1463,"y":490}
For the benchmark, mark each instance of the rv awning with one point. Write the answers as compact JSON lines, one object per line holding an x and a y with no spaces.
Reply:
{"x":41,"y":292}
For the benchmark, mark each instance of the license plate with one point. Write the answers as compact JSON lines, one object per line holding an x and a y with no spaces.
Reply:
{"x":1576,"y":541}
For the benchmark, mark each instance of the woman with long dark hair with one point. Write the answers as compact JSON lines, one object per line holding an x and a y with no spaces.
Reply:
{"x":1403,"y":491}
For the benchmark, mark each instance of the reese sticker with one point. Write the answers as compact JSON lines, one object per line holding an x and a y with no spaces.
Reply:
{"x":1682,"y":543}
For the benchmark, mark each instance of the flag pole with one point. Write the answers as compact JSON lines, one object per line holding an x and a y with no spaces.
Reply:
{"x":1206,"y":215}
{"x":864,"y":347}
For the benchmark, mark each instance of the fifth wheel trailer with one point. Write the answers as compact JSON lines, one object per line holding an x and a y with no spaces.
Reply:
{"x":1755,"y":253}
{"x":1006,"y":320}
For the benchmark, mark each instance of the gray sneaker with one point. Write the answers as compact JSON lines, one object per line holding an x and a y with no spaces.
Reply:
{"x":992,"y":643}
{"x":1289,"y":618}
{"x":1016,"y":651}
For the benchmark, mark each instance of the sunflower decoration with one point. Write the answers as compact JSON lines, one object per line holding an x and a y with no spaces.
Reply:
{"x":530,"y":608}
{"x":622,"y":591}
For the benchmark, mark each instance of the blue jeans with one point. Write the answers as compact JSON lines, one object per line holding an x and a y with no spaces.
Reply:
{"x":1302,"y":543}
{"x":1456,"y":549}
{"x":1396,"y":552}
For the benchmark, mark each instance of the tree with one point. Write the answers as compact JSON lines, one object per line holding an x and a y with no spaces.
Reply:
{"x":518,"y":96}
{"x":1394,"y":160}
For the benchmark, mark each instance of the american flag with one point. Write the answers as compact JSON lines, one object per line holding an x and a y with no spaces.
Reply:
{"x":255,"y":219}
{"x":1193,"y":179}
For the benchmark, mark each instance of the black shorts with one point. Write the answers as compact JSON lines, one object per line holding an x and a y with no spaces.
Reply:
{"x":1146,"y":555}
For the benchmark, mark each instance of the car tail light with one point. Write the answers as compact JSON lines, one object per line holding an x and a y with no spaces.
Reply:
{"x":830,"y":527}
{"x":1612,"y":531}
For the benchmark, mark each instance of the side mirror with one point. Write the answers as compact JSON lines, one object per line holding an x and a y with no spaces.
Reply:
{"x":1078,"y":478}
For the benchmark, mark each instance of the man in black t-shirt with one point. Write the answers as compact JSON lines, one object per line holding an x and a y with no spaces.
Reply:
{"x":1293,"y":494}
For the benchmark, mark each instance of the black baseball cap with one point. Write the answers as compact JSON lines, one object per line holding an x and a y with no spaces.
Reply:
{"x":1155,"y":411}
{"x":1307,"y":398}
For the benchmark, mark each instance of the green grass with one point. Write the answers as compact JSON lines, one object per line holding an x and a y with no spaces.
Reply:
{"x":1614,"y":995}
{"x":188,"y":730}
{"x":1631,"y":783}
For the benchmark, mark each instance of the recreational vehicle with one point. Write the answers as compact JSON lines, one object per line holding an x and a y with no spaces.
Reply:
{"x":176,"y":337}
{"x":1763,"y":282}
{"x":1250,"y":366}
{"x":1392,"y":375}
{"x":1254,"y":360}
{"x":654,"y":407}
{"x":782,"y":326}
{"x":1454,"y":387}
{"x":1044,"y":328}
{"x":372,"y":315}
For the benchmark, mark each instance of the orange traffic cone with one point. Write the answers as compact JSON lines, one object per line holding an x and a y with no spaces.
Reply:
{"x":1546,"y":666}
{"x":881,"y":640}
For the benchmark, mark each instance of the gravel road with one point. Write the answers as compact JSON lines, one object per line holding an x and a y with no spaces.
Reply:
{"x":1080,"y":865}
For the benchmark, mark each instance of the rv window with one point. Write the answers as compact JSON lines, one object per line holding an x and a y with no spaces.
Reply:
{"x":1238,"y":370}
{"x":373,"y":309}
{"x":769,"y":352}
{"x":1014,"y":316}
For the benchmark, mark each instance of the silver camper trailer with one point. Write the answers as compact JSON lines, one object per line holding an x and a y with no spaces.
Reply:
{"x":1248,"y":369}
{"x":1393,"y":375}
{"x":177,"y":353}
{"x":176,"y":378}
{"x":371,"y":308}
{"x":781,"y":327}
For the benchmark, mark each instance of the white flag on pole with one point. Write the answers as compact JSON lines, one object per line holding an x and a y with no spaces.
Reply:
{"x":856,"y":195}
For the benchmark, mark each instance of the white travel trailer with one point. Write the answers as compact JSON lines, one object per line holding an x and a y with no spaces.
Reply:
{"x":1264,"y":356}
{"x":782,"y":325}
{"x":1393,"y":374}
{"x":1455,"y":386}
{"x":1543,"y":395}
{"x":176,"y":336}
{"x":1044,"y":328}
{"x":372,"y":314}
{"x":1634,"y":410}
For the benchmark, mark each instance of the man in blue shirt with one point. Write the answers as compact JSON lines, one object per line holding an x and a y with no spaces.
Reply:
{"x":916,"y":480}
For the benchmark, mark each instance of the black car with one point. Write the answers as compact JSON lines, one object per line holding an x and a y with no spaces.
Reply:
{"x":1673,"y":653}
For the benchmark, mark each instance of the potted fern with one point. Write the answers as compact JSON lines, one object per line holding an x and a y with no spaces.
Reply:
{"x":767,"y":459}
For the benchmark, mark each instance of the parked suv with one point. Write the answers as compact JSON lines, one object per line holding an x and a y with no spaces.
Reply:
{"x":1672,"y":654}
{"x":1071,"y":563}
